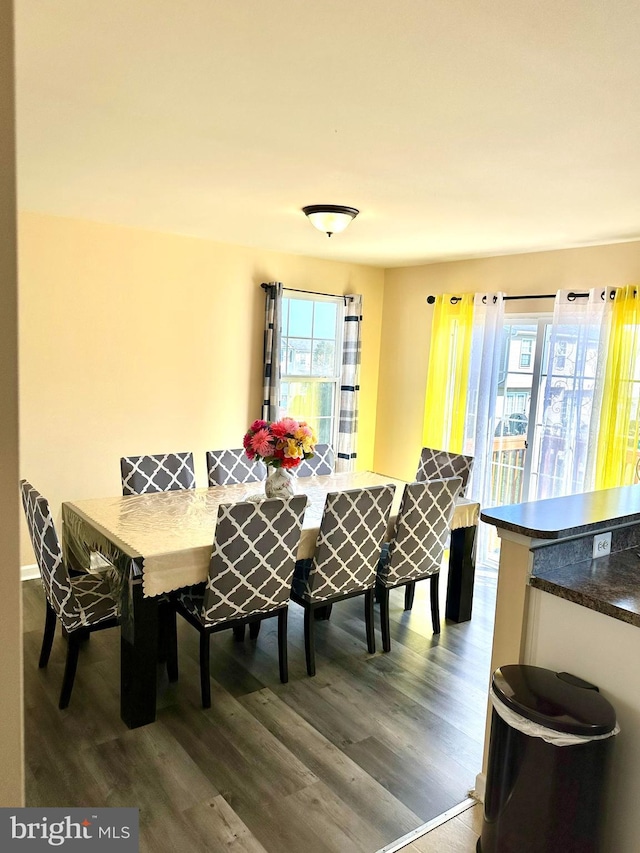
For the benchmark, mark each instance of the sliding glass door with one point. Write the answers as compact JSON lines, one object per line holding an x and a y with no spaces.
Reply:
{"x":517,"y":394}
{"x":543,"y":430}
{"x":517,"y":386}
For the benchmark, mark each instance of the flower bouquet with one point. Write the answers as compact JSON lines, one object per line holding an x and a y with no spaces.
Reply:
{"x":281,"y":445}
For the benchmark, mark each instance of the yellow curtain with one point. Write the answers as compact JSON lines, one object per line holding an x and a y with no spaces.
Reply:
{"x":617,"y":453}
{"x":447,"y":380}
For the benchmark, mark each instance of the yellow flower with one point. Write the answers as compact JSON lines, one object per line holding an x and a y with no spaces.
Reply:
{"x":293,"y":449}
{"x":305,"y":437}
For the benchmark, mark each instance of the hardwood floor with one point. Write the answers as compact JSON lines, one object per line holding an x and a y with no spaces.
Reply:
{"x":371,"y":748}
{"x":458,"y":835}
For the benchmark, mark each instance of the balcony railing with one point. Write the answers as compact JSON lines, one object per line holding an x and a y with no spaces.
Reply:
{"x":507,"y":468}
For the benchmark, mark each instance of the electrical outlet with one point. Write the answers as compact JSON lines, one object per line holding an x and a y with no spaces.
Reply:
{"x":602,"y":545}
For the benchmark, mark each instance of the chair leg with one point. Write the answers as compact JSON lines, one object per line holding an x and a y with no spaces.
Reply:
{"x":83,"y":634}
{"x":322,"y":614}
{"x":409,"y":592}
{"x":172,"y":644}
{"x":47,"y":639}
{"x":73,"y":650}
{"x":282,"y":644}
{"x":205,"y":679}
{"x":368,"y":619}
{"x":310,"y":640}
{"x":254,"y":629}
{"x":238,"y":633}
{"x":435,"y":602}
{"x":383,"y":598}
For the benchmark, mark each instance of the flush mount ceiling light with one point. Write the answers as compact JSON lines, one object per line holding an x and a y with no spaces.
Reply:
{"x":330,"y":218}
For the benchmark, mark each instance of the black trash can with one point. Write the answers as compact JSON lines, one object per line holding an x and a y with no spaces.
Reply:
{"x":549,"y":750}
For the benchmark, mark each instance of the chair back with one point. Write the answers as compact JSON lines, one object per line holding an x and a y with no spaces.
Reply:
{"x":352,"y":530}
{"x":440,"y":465}
{"x":322,"y":462}
{"x":164,"y":472}
{"x":225,"y":467}
{"x":253,"y":559}
{"x":46,"y":546}
{"x":421,"y":531}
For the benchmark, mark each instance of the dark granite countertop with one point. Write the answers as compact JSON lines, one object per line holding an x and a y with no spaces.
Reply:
{"x":559,"y":518}
{"x":609,"y":585}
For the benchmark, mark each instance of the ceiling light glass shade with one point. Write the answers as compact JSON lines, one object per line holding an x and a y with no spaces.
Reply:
{"x":330,"y":218}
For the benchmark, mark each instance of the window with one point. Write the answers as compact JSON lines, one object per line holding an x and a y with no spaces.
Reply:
{"x":516,"y":401}
{"x":560,"y":355}
{"x":525,"y":352}
{"x":310,"y":361}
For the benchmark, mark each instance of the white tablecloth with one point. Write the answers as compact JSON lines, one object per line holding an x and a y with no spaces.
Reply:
{"x":173,"y":531}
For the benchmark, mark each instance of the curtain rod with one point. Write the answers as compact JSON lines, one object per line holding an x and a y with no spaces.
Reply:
{"x":264,"y":286}
{"x":570,"y":296}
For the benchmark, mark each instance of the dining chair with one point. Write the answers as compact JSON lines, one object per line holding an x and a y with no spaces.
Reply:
{"x":440,"y":464}
{"x":83,"y":603}
{"x":225,"y":467}
{"x":417,"y":546}
{"x":352,"y":530}
{"x":164,"y":472}
{"x":322,"y":462}
{"x":250,"y":572}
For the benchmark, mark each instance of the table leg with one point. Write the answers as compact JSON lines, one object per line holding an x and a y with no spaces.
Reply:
{"x":138,"y":656}
{"x":461,"y":574}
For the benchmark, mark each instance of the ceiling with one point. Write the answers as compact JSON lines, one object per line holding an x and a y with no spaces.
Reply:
{"x":459,"y":128}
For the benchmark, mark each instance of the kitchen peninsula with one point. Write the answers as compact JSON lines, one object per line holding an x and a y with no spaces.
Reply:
{"x":559,"y":607}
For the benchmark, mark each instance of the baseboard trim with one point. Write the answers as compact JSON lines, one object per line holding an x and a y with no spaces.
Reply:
{"x":29,"y":573}
{"x":481,"y":787}
{"x":419,"y":831}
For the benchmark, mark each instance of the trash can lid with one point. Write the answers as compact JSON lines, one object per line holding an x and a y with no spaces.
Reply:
{"x":557,"y":700}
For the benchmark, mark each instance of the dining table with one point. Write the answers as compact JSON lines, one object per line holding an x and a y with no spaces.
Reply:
{"x":159,"y":542}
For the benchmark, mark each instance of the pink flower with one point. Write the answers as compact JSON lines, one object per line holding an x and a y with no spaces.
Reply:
{"x":289,"y":424}
{"x":256,"y":425}
{"x":278,"y":429}
{"x":261,"y":442}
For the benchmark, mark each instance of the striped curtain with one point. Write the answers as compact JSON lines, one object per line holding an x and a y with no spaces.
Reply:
{"x":349,"y":387}
{"x":272,"y":338}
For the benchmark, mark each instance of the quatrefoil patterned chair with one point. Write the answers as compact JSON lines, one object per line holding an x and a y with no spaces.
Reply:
{"x":352,"y":530}
{"x":322,"y":462}
{"x":82,"y":604}
{"x":254,"y":552}
{"x":164,"y":472}
{"x":440,"y":464}
{"x":226,"y":467}
{"x":416,"y":549}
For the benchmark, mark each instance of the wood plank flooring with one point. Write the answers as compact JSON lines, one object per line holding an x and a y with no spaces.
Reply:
{"x":368,"y":750}
{"x":458,"y":835}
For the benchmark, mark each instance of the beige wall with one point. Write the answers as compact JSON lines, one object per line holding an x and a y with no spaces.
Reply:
{"x":407,"y":324}
{"x":138,"y":342}
{"x":134,"y":341}
{"x":11,"y":731}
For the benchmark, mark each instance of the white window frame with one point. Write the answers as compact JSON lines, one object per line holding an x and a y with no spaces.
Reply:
{"x":296,"y":295}
{"x":526,"y":353}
